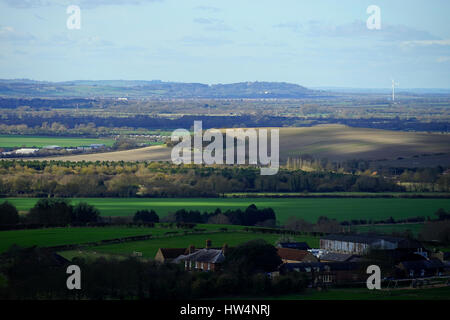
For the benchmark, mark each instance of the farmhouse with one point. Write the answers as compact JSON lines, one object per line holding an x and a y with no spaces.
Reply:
{"x":320,"y":273}
{"x":359,"y":244}
{"x":168,"y":254}
{"x":422,"y":268}
{"x":206,"y":259}
{"x":294,"y":255}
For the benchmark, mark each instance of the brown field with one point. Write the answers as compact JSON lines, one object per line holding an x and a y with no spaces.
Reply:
{"x":152,"y":153}
{"x":335,"y":142}
{"x":338,"y":142}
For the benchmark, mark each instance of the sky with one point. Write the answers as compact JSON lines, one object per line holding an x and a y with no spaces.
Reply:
{"x":312,"y":43}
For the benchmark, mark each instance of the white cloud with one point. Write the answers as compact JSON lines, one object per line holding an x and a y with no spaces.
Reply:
{"x":207,"y":8}
{"x":357,"y":28}
{"x":423,"y":43}
{"x":8,"y":33}
{"x":443,"y":59}
{"x":213,"y":24}
{"x":24,"y":4}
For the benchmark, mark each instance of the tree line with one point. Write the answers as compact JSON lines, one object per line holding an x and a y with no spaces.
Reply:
{"x":128,"y":179}
{"x":251,"y":216}
{"x":59,"y":212}
{"x":34,"y":273}
{"x":50,"y":212}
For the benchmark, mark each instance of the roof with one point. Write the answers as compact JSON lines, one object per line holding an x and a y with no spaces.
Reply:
{"x":172,"y":253}
{"x":26,"y":150}
{"x":294,"y":245}
{"x":203,"y":255}
{"x":320,"y":266}
{"x":423,"y":264}
{"x":292,"y":254}
{"x":371,"y":239}
{"x":340,"y":257}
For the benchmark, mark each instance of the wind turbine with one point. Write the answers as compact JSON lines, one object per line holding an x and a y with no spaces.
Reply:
{"x":394,"y":84}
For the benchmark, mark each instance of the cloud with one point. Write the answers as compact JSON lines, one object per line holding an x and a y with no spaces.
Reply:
{"x":208,"y":8}
{"x":24,"y":4}
{"x":213,"y":24}
{"x":8,"y":33}
{"x":205,"y":41}
{"x":426,"y":43}
{"x":443,"y":59}
{"x":67,"y":40}
{"x":357,"y":29}
{"x":293,"y":26}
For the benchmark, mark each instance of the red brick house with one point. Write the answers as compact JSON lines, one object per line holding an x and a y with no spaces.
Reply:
{"x":206,"y":259}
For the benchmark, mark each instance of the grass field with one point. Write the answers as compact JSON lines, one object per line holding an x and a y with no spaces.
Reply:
{"x":60,"y":236}
{"x":338,"y":194}
{"x":365,"y":294}
{"x":10,"y":141}
{"x":307,"y":208}
{"x":150,"y":247}
{"x":415,"y":228}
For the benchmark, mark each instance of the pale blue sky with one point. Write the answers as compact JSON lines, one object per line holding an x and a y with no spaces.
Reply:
{"x":312,"y":43}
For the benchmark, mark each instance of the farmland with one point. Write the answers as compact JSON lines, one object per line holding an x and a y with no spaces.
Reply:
{"x":335,"y":142}
{"x":11,"y":141}
{"x":151,"y":153}
{"x":415,"y":228}
{"x":307,"y":208}
{"x":364,"y":294}
{"x":62,"y":236}
{"x":340,"y":142}
{"x":149,"y":248}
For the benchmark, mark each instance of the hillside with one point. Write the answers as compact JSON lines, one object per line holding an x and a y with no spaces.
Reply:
{"x":335,"y":142}
{"x":152,"y":89}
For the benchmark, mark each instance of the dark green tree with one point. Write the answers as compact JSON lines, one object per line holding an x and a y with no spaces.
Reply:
{"x":8,"y":214}
{"x":252,"y":257}
{"x":51,"y":212}
{"x":146,"y":216}
{"x":84,"y":213}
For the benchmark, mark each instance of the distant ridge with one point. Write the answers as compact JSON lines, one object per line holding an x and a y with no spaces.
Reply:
{"x":152,"y":89}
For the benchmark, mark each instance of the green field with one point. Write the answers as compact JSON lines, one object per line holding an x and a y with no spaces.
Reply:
{"x":11,"y":141}
{"x":307,"y":208}
{"x":60,"y":236}
{"x":365,"y":294}
{"x":415,"y":228}
{"x":150,"y":247}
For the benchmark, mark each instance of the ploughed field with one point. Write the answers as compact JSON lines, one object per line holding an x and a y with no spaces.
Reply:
{"x":334,"y":142}
{"x":342,"y":209}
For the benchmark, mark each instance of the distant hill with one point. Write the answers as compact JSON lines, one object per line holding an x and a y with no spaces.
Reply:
{"x":152,"y":89}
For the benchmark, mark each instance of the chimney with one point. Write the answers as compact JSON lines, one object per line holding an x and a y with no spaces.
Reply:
{"x":191,"y":249}
{"x":208,"y":244}
{"x":224,"y":248}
